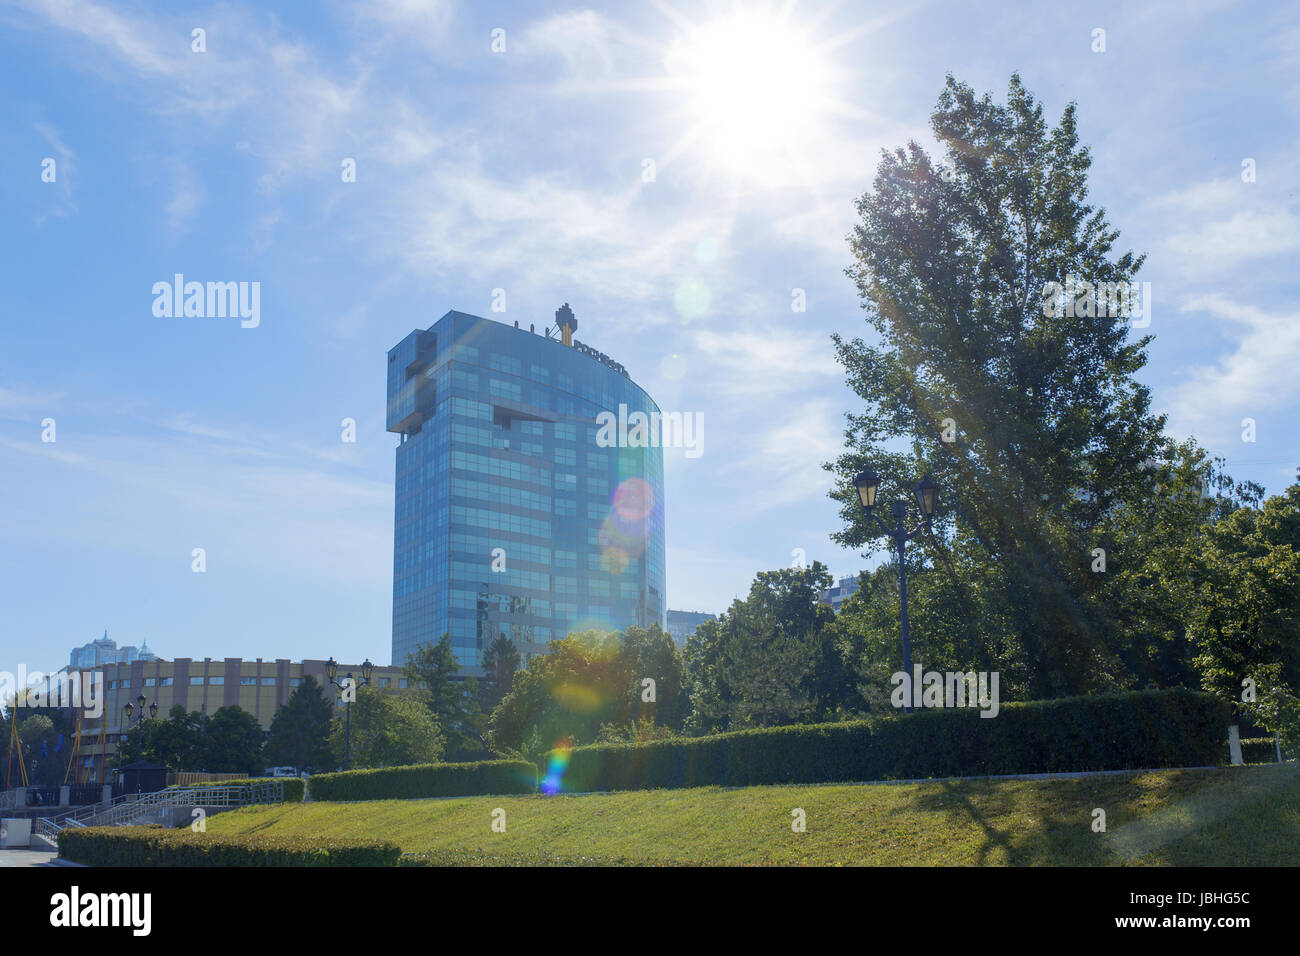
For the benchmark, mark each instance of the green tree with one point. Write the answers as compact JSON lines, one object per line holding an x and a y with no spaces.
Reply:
{"x":452,"y":699}
{"x":770,"y":659}
{"x":300,"y":729}
{"x":1049,"y":425}
{"x":500,"y":662}
{"x":388,"y":730}
{"x":583,"y":682}
{"x":233,"y":742}
{"x":1246,"y":619}
{"x":651,"y":654}
{"x":180,"y":742}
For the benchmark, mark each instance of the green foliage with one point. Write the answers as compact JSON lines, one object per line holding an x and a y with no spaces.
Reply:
{"x":1151,"y":548}
{"x":428,"y":780}
{"x":586,"y":681}
{"x":500,"y":663}
{"x":770,"y":659}
{"x":387,"y":730}
{"x":234,"y":741}
{"x":178,"y":743}
{"x":38,"y":732}
{"x":300,"y":729}
{"x":1246,"y":618}
{"x":453,"y":701}
{"x":228,"y":741}
{"x":1146,"y":729}
{"x":156,"y":846}
{"x":1051,"y":426}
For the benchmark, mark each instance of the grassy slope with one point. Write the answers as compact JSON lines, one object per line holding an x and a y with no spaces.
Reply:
{"x":1242,"y":816}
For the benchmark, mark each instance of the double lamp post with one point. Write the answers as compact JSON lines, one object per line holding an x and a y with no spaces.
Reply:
{"x":349,"y":686}
{"x":867,"y":482}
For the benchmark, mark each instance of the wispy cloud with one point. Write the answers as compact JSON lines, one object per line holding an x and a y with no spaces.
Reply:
{"x":1256,"y":376}
{"x":65,"y":164}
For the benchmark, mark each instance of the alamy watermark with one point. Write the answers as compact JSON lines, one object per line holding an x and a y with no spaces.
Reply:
{"x":951,"y":689}
{"x":83,"y":690}
{"x":213,"y":300}
{"x":651,"y":430}
{"x":1078,"y":298}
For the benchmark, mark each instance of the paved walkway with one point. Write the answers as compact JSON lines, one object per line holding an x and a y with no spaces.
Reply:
{"x":20,"y":857}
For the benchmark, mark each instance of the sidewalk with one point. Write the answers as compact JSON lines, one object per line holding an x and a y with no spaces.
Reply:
{"x":21,"y":857}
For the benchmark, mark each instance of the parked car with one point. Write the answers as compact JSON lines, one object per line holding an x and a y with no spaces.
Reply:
{"x":281,"y":772}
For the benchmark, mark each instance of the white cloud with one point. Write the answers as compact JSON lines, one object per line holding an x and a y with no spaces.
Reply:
{"x":1224,"y":226}
{"x":788,"y":455}
{"x":774,"y":362}
{"x":1257,"y":376}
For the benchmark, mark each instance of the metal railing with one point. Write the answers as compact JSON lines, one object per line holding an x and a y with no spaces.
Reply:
{"x":131,"y":808}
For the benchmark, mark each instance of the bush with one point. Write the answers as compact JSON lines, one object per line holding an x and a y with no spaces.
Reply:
{"x":1140,"y":730}
{"x":427,"y":780}
{"x":295,"y":788}
{"x":1258,"y":750}
{"x":157,"y":846}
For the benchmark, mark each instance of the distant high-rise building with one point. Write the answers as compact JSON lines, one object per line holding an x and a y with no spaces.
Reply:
{"x":682,"y":624}
{"x":510,"y":516}
{"x":104,"y":650}
{"x":837,"y":595}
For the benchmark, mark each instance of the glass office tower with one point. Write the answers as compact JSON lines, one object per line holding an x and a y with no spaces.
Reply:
{"x":510,"y":518}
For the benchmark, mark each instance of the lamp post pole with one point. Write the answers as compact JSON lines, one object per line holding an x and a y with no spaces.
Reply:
{"x":348,"y":685}
{"x":139,"y":722}
{"x":867,"y":483}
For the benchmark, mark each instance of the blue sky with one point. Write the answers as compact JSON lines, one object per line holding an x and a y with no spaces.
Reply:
{"x":524,"y":169}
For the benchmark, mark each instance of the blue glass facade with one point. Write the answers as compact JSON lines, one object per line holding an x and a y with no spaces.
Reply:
{"x":510,"y":518}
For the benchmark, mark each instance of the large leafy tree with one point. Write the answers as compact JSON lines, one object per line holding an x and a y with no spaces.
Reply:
{"x":300,"y":729}
{"x":388,"y":730}
{"x":1151,"y":556}
{"x":582,"y":683}
{"x":1246,"y":617}
{"x":180,"y":742}
{"x":452,"y":699}
{"x":769,"y":659}
{"x":233,"y":742}
{"x":1049,"y":426}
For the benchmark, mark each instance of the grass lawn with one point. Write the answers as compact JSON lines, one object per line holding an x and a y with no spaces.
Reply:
{"x":1243,"y":816}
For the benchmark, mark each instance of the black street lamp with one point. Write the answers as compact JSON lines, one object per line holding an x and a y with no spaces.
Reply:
{"x":867,"y":482}
{"x":138,"y":710}
{"x":331,"y":671}
{"x":130,"y":709}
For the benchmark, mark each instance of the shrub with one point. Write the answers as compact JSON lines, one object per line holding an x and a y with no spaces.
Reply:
{"x":157,"y":846}
{"x":1139,"y":730}
{"x":1258,"y":750}
{"x":427,"y":780}
{"x":295,"y":788}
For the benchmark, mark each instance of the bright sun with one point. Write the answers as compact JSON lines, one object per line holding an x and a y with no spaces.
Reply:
{"x":756,"y":93}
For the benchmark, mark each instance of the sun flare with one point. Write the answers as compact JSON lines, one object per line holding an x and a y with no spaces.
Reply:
{"x":756,"y":92}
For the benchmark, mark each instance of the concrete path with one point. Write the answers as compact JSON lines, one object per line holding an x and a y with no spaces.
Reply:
{"x":21,"y":857}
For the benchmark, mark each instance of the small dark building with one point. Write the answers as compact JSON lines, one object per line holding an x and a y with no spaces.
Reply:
{"x":139,"y":777}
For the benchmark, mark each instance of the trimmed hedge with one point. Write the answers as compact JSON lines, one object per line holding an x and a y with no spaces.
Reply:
{"x":1139,"y":730}
{"x":295,"y":788}
{"x":1259,"y":750}
{"x":158,"y":846}
{"x":427,"y":780}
